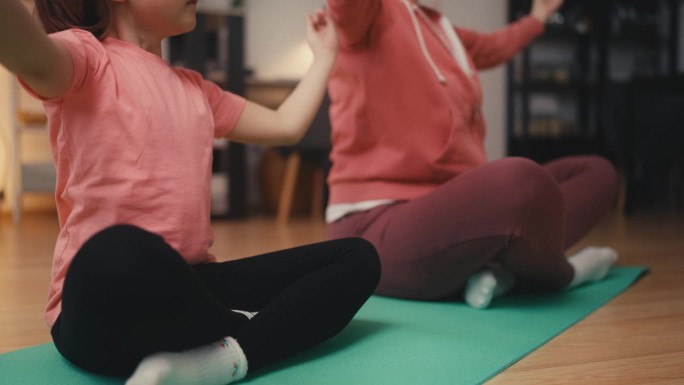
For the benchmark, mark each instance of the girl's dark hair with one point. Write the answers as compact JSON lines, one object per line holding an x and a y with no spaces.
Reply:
{"x":91,"y":15}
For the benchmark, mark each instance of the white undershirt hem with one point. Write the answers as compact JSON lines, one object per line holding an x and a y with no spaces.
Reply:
{"x":340,"y":210}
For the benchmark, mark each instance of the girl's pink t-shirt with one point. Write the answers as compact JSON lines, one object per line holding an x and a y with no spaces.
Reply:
{"x":132,"y":144}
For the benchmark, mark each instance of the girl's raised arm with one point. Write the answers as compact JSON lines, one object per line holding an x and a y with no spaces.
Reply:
{"x":288,"y":124}
{"x":27,"y":51}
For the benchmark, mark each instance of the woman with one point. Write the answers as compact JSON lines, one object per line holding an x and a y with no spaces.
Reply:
{"x":410,"y":172}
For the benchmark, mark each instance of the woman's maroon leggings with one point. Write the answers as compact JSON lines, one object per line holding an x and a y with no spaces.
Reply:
{"x":512,"y":212}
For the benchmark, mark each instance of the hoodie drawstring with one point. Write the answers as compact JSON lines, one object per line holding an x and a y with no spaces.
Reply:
{"x":454,"y":44}
{"x":459,"y":49}
{"x":421,"y":41}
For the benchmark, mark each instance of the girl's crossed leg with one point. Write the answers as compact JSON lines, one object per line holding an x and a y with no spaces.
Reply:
{"x":128,"y":296}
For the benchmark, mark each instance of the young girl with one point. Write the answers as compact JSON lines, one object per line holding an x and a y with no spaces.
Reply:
{"x":134,"y":290}
{"x":410,"y":172}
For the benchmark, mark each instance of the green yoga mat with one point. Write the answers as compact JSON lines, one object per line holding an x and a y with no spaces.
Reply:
{"x":393,"y":342}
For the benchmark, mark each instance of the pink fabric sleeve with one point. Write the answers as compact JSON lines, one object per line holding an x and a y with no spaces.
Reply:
{"x":226,"y":107}
{"x":353,"y":19}
{"x":490,"y":50}
{"x":88,"y":57}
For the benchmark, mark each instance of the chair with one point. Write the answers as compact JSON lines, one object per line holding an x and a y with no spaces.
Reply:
{"x":315,"y":146}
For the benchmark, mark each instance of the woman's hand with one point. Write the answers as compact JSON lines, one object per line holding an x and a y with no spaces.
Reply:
{"x":321,"y":34}
{"x":542,"y":10}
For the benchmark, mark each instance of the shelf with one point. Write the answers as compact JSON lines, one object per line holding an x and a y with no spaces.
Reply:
{"x":33,"y":177}
{"x":38,"y":177}
{"x":31,"y":118}
{"x":563,"y":34}
{"x":575,"y":137}
{"x":269,"y":93}
{"x":638,"y":39}
{"x":552,"y":137}
{"x":571,"y":73}
{"x":544,"y":149}
{"x":553,"y":87}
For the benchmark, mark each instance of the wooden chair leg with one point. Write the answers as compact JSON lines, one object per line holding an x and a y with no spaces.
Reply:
{"x":317,"y":194}
{"x":288,"y":189}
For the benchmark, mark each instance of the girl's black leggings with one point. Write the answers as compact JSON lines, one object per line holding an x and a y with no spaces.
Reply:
{"x":128,"y":294}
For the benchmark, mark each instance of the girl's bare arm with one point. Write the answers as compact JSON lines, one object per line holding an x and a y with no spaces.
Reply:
{"x":27,"y":51}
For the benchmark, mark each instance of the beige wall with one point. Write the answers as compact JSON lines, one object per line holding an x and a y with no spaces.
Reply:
{"x":275,"y":31}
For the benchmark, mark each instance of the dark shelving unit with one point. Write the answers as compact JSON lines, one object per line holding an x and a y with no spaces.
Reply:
{"x":557,"y":86}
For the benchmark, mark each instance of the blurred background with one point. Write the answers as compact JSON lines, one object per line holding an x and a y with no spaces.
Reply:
{"x":605,"y":78}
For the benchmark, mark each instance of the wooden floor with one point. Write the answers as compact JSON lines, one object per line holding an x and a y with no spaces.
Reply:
{"x":638,"y":338}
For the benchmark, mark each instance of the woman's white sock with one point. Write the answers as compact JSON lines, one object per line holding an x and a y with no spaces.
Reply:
{"x":484,"y":285}
{"x":592,"y":264}
{"x":219,"y":363}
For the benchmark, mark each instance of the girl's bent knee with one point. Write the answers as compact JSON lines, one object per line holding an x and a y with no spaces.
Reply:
{"x":122,"y":234}
{"x":367,"y":258}
{"x":115,"y":251}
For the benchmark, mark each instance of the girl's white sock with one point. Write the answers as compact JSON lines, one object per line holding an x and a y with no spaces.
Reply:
{"x":592,"y":264}
{"x":219,"y":363}
{"x":484,"y":285}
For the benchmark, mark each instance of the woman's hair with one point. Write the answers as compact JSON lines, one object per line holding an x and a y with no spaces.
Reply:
{"x":91,"y":15}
